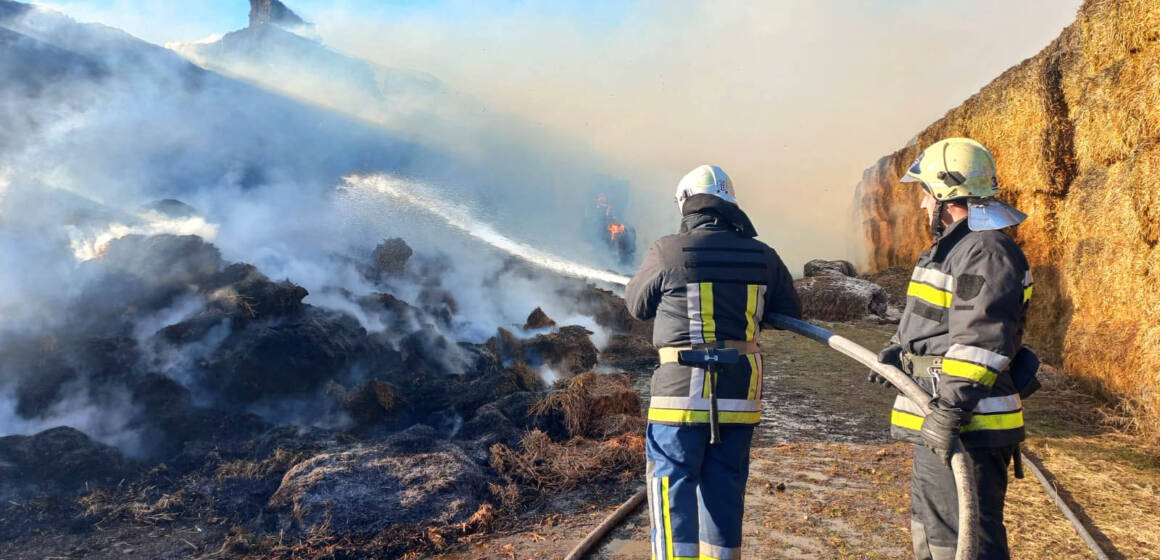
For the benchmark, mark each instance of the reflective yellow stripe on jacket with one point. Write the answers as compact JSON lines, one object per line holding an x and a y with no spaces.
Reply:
{"x":701,"y":416}
{"x":932,"y":286}
{"x":991,"y":413}
{"x":1007,"y":421}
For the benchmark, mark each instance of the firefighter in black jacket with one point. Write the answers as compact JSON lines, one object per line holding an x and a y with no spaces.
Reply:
{"x":710,"y":285}
{"x":963,"y":324}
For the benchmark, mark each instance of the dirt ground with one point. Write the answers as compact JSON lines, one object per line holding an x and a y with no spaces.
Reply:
{"x":827,"y":482}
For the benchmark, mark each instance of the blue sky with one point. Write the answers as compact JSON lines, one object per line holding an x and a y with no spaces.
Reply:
{"x":160,"y":21}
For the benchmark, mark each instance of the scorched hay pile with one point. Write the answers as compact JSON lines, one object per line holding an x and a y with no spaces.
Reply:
{"x":292,"y":424}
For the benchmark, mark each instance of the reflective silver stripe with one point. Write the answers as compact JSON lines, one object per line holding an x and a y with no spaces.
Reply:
{"x":935,"y":278}
{"x":977,"y":355}
{"x":761,"y":377}
{"x":989,"y":405}
{"x":696,"y":382}
{"x":904,"y":404}
{"x":1027,"y":281}
{"x":693,"y":308}
{"x":685,"y":549}
{"x":719,"y":552}
{"x":698,"y":403}
{"x":993,"y":405}
{"x":760,"y":312}
{"x":658,"y":520}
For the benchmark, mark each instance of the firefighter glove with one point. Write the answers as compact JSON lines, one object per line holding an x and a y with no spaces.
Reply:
{"x":940,"y":429}
{"x":891,"y":355}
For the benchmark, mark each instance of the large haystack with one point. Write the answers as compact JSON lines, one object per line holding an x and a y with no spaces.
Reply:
{"x":1076,"y":134}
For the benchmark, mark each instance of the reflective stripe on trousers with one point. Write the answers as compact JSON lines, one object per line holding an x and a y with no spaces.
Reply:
{"x":696,"y":491}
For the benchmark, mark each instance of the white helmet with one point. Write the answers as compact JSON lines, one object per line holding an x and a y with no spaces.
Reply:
{"x":706,"y":179}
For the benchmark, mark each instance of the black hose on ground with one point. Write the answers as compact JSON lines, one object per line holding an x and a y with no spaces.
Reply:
{"x":1038,"y":470}
{"x":581,"y":550}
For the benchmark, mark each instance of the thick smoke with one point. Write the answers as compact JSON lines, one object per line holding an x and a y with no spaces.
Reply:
{"x":794,"y":99}
{"x":120,"y":163}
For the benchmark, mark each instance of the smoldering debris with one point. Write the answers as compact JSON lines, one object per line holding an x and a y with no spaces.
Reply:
{"x":257,"y":407}
{"x":410,"y":477}
{"x":200,"y":347}
{"x":602,"y":416}
{"x":537,"y":319}
{"x":830,"y":291}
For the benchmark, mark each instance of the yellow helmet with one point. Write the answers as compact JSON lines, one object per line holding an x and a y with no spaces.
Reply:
{"x":960,"y":168}
{"x":955,"y":168}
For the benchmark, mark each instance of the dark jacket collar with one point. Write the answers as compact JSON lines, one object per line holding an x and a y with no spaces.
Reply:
{"x":955,"y":230}
{"x":706,"y":210}
{"x":949,"y":238}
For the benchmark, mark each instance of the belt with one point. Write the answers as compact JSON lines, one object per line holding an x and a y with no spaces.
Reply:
{"x":925,"y":366}
{"x":922,"y":366}
{"x":668,"y":354}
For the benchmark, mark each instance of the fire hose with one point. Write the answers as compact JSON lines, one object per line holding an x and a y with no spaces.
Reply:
{"x":968,"y":539}
{"x":961,"y":466}
{"x":967,"y":546}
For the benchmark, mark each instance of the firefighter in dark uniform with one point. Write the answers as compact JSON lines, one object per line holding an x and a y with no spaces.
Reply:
{"x":708,"y":286}
{"x":963,"y":325}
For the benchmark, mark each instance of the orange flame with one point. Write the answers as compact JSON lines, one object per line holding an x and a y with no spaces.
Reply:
{"x":615,"y":229}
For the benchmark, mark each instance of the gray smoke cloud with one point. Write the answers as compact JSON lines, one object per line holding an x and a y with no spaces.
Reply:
{"x":793,"y":99}
{"x":104,"y":135}
{"x":521,"y":115}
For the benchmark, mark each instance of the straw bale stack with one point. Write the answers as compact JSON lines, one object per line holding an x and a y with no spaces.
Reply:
{"x":1076,"y":134}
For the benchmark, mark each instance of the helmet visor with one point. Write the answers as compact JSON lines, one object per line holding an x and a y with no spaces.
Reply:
{"x":992,"y":213}
{"x":912,"y":174}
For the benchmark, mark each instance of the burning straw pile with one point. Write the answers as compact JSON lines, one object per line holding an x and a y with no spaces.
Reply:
{"x":602,"y":415}
{"x":1075,"y":131}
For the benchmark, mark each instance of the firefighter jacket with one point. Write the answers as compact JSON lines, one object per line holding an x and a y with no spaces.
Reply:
{"x":965,"y":308}
{"x":710,"y":283}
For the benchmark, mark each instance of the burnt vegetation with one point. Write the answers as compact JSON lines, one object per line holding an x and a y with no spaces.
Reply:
{"x":225,"y":397}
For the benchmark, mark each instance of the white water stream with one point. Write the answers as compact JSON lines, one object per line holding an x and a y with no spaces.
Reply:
{"x":406,"y":192}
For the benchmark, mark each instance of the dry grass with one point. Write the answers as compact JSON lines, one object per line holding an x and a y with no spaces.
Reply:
{"x":405,"y":542}
{"x":550,"y":467}
{"x":1118,"y":110}
{"x":602,"y":414}
{"x":278,"y":463}
{"x":590,"y":402}
{"x":1114,"y":29}
{"x":525,"y":377}
{"x":369,"y":402}
{"x":1114,"y":484}
{"x":1076,"y":134}
{"x":137,"y":505}
{"x":1112,"y":476}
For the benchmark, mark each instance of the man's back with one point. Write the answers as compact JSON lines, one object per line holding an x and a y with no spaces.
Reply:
{"x":709,"y":283}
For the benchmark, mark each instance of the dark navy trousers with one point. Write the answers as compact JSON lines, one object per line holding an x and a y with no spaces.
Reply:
{"x":696,"y":491}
